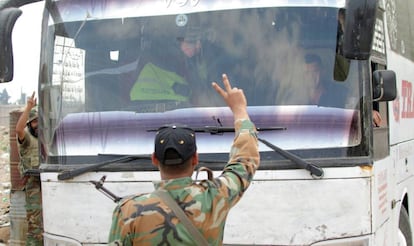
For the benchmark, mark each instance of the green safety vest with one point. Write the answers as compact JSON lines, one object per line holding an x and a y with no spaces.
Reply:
{"x":155,"y":83}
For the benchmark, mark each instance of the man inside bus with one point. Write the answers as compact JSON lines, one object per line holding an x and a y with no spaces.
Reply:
{"x":325,"y":94}
{"x":145,"y":219}
{"x":26,"y":131}
{"x":172,"y":77}
{"x":322,"y":92}
{"x":376,"y":116}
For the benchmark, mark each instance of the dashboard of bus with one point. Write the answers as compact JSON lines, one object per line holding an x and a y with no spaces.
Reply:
{"x":110,"y":80}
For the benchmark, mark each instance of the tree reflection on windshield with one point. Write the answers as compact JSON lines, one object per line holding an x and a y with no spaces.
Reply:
{"x":168,"y":62}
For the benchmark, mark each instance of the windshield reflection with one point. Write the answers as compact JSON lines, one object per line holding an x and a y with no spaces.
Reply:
{"x":281,"y":57}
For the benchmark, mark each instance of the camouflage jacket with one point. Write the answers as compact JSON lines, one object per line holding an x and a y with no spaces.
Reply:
{"x":28,"y":152}
{"x":146,"y":220}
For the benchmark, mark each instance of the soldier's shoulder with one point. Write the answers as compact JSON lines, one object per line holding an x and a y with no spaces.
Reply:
{"x":133,"y":198}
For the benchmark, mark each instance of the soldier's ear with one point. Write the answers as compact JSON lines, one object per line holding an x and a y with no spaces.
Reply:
{"x":155,"y":161}
{"x":194,"y":161}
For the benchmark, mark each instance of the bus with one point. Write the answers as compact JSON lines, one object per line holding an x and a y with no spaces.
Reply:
{"x":112,"y":72}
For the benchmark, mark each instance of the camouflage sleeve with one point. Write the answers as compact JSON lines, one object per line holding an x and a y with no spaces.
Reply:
{"x":243,"y":162}
{"x":117,"y":235}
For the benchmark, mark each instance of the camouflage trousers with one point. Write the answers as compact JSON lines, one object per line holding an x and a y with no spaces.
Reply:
{"x":34,"y":212}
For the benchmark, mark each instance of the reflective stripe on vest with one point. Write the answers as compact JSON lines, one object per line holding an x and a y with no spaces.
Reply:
{"x":155,"y":83}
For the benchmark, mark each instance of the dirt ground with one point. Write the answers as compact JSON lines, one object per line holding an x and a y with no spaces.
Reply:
{"x":4,"y":185}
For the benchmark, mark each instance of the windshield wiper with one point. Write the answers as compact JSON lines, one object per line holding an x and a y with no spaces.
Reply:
{"x":220,"y":129}
{"x":78,"y":171}
{"x":314,"y":170}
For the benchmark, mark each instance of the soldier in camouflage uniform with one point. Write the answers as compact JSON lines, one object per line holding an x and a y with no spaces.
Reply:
{"x":146,"y":220}
{"x":26,"y":130}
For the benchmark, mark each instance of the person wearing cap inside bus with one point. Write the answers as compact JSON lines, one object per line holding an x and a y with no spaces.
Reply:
{"x":175,"y":71}
{"x":145,"y":219}
{"x":26,"y":131}
{"x":323,"y":93}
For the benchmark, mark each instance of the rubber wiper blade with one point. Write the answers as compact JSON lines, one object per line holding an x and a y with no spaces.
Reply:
{"x":315,"y":171}
{"x":78,"y":171}
{"x":221,"y":129}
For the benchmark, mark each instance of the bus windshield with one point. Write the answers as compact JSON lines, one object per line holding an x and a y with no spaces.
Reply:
{"x":109,"y":79}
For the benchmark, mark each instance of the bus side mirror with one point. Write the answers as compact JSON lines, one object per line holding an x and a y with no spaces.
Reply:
{"x":384,"y":85}
{"x":8,"y":17}
{"x":360,"y":17}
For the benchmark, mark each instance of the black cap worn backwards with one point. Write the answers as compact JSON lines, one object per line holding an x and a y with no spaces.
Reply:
{"x":179,"y":138}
